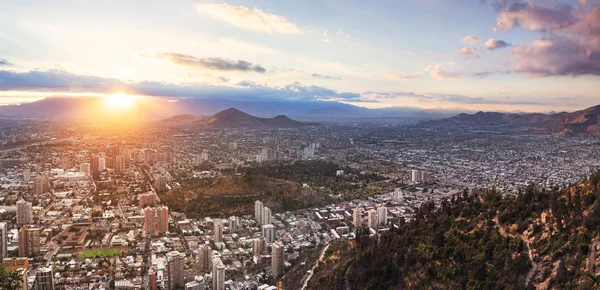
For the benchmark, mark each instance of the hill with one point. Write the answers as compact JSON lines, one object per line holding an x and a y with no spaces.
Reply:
{"x":234,"y":118}
{"x":583,"y":122}
{"x":537,"y":239}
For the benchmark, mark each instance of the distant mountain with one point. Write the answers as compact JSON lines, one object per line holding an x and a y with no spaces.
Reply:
{"x":234,"y":118}
{"x":583,"y":122}
{"x":160,"y":108}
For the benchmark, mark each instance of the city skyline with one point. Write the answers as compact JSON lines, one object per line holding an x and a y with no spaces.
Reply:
{"x":473,"y":55}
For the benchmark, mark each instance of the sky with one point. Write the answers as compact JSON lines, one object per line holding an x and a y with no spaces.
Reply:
{"x":508,"y":55}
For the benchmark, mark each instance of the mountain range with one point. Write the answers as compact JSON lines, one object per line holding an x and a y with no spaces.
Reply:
{"x":233,"y":118}
{"x":582,"y":122}
{"x":160,"y":108}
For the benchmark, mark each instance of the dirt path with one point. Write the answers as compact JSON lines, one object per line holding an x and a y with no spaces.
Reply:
{"x":312,"y":271}
{"x":534,"y":265}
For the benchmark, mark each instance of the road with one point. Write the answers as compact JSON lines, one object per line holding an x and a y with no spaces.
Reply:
{"x":312,"y":271}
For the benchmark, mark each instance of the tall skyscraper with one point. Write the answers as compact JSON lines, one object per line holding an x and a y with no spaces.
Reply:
{"x":398,"y":194}
{"x":120,"y":163}
{"x":356,"y":217}
{"x":29,"y":241}
{"x":41,"y":184}
{"x":156,"y":220}
{"x":258,"y":211}
{"x":152,"y":282}
{"x":268,"y":232}
{"x":382,"y":215}
{"x":234,"y":224}
{"x":24,"y":213}
{"x":44,"y":279}
{"x":66,"y":162}
{"x":175,"y":267}
{"x":3,"y":241}
{"x":204,"y":258}
{"x":218,"y":232}
{"x":258,"y":246}
{"x":95,"y":164}
{"x":372,"y":219}
{"x":27,"y":174}
{"x":277,"y":259}
{"x":85,"y":168}
{"x":160,"y":182}
{"x":218,"y":274}
{"x":266,"y":216}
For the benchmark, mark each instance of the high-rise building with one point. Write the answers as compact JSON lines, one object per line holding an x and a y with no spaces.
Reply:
{"x":162,"y":218}
{"x":218,"y":232}
{"x":160,"y":182}
{"x":277,"y":259}
{"x":372,"y":219}
{"x":26,"y":174}
{"x":95,"y":165}
{"x":382,"y":215}
{"x":152,"y":282}
{"x":266,"y":216}
{"x":66,"y":162}
{"x":414,"y":175}
{"x":3,"y":241}
{"x":85,"y":168}
{"x":234,"y":224}
{"x":268,"y":232}
{"x":29,"y":241}
{"x":204,"y":258}
{"x":356,"y":217}
{"x":156,"y":220}
{"x":267,"y":154}
{"x":41,"y":184}
{"x":44,"y":279}
{"x":24,"y":213}
{"x":398,"y":194}
{"x":101,"y":164}
{"x":218,"y":274}
{"x":147,"y":199}
{"x":258,"y":246}
{"x":258,"y":211}
{"x":175,"y":267}
{"x":120,"y":163}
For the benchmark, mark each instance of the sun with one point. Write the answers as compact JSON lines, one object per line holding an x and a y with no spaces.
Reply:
{"x":120,"y":101}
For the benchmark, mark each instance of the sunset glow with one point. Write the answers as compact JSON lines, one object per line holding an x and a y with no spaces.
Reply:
{"x":120,"y":101}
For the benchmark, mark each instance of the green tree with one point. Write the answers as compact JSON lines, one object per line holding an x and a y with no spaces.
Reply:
{"x":9,"y":280}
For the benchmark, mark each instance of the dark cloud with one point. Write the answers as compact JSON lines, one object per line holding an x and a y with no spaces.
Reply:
{"x":324,"y":77}
{"x":493,"y":44}
{"x":484,"y":74}
{"x":60,"y":81}
{"x":4,"y":62}
{"x":212,"y":63}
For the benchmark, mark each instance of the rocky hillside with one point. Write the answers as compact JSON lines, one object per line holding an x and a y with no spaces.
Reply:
{"x":534,"y":240}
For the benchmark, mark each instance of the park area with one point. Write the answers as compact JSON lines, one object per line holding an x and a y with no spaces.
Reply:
{"x":108,"y":252}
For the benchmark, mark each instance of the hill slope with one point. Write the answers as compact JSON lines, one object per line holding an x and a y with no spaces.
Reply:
{"x":583,"y":122}
{"x":535,"y":240}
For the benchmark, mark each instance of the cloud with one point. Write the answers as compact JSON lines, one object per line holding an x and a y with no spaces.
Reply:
{"x":56,"y":82}
{"x":4,"y":62}
{"x":571,"y":42}
{"x":449,"y":98}
{"x":484,"y":74}
{"x":493,"y":44}
{"x":557,"y":56}
{"x":211,"y":63}
{"x":324,"y":77}
{"x":250,"y":19}
{"x":470,"y":39}
{"x":439,"y":72}
{"x":534,"y":17}
{"x":469,"y":53}
{"x":402,"y":76}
